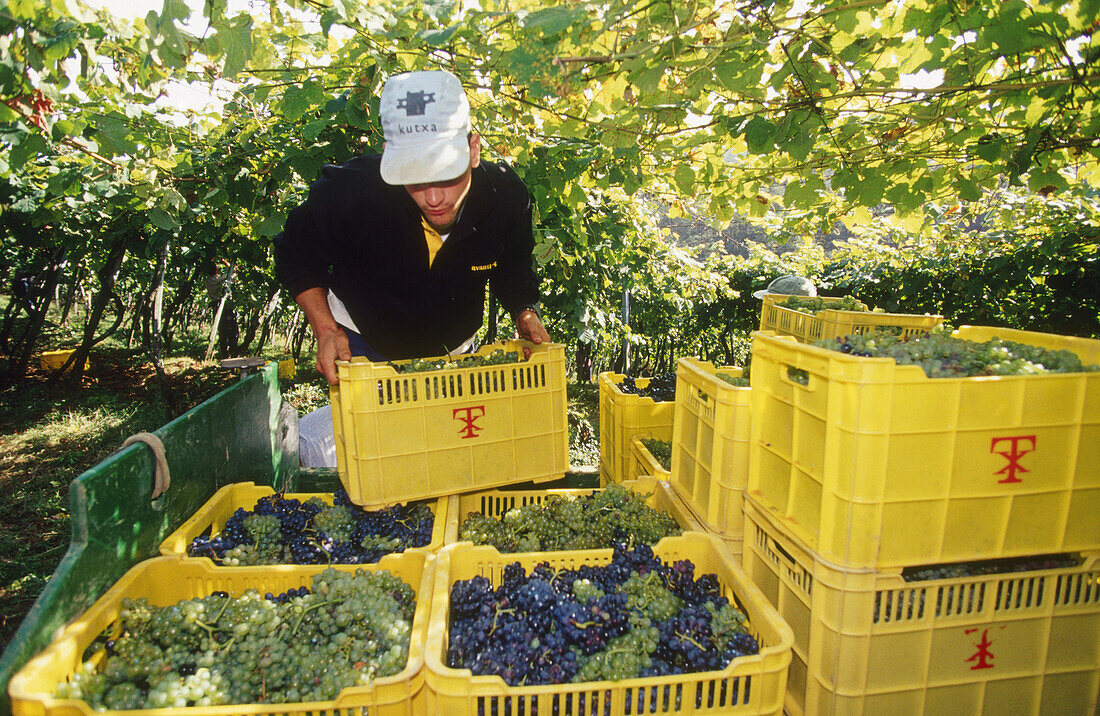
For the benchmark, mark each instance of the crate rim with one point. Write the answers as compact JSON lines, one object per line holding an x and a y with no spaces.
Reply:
{"x":176,"y":543}
{"x":511,"y":345}
{"x":910,"y":372}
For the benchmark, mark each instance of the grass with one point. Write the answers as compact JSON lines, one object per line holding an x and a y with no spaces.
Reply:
{"x":51,"y":432}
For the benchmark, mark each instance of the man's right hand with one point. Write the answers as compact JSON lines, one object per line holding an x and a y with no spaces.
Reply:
{"x":332,"y":345}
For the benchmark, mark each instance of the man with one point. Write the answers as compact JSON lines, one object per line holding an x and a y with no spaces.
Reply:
{"x":390,"y":255}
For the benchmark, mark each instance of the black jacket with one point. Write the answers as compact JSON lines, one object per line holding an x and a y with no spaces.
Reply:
{"x":363,"y":239}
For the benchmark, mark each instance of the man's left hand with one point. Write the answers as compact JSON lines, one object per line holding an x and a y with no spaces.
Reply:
{"x":530,"y":327}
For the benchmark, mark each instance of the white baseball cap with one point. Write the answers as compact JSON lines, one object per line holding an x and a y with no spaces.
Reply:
{"x":425,"y":122}
{"x":788,"y":286}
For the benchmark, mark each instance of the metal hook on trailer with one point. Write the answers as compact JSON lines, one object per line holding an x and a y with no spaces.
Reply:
{"x":244,"y":365}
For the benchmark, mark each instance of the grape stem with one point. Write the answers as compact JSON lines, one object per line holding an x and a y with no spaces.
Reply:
{"x":224,"y":607}
{"x":498,"y":612}
{"x":307,"y":610}
{"x":687,"y":638}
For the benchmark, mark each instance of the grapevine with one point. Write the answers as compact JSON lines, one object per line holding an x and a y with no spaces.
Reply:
{"x":636,"y":617}
{"x":661,"y":450}
{"x":598,"y":520}
{"x":941,"y":355}
{"x":306,"y":644}
{"x":288,"y":531}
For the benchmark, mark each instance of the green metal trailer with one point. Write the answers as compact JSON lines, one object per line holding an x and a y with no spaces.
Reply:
{"x":244,"y":433}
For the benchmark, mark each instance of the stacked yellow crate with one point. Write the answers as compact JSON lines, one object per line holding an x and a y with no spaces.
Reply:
{"x":835,"y":322}
{"x":710,"y":447}
{"x":870,"y":484}
{"x":624,"y":416}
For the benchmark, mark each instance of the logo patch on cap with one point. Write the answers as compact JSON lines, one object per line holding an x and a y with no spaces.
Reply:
{"x":415,"y":103}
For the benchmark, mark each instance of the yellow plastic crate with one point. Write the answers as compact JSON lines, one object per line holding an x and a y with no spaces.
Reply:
{"x":494,"y":503}
{"x":624,"y":415}
{"x":221,"y":506}
{"x":877,"y":465}
{"x":832,"y":323}
{"x":869,"y":642}
{"x":52,"y":360}
{"x":749,"y":685}
{"x":710,"y":445}
{"x":411,"y":436}
{"x":643,"y":462}
{"x":288,"y":368}
{"x":163,"y":581}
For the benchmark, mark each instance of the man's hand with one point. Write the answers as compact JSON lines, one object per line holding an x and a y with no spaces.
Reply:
{"x":332,"y":345}
{"x":530,"y":327}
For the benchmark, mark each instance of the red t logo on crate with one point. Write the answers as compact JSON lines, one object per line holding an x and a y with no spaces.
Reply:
{"x":1013,"y":455}
{"x":983,"y":655}
{"x":471,"y":430}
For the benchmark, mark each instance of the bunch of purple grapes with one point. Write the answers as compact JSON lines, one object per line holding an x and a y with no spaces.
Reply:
{"x":661,"y":388}
{"x":281,"y":530}
{"x":635,"y":617}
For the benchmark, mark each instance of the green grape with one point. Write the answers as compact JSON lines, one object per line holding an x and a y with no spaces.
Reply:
{"x":422,"y":365}
{"x":624,"y":657}
{"x":124,"y":696}
{"x":813,"y":305}
{"x":726,"y":622}
{"x":599,"y":520}
{"x":377,"y":542}
{"x":738,"y":382}
{"x":650,"y":597}
{"x":584,"y":590}
{"x":338,"y":522}
{"x":661,"y":450}
{"x":267,"y":546}
{"x":941,"y":355}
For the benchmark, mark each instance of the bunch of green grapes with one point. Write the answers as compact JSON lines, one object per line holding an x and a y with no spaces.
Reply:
{"x":626,"y":656}
{"x":306,"y":644}
{"x":941,"y":355}
{"x":423,"y":365}
{"x":991,"y":566}
{"x":649,"y":597}
{"x":813,"y":305}
{"x":737,"y":382}
{"x":661,"y":450}
{"x":599,"y":520}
